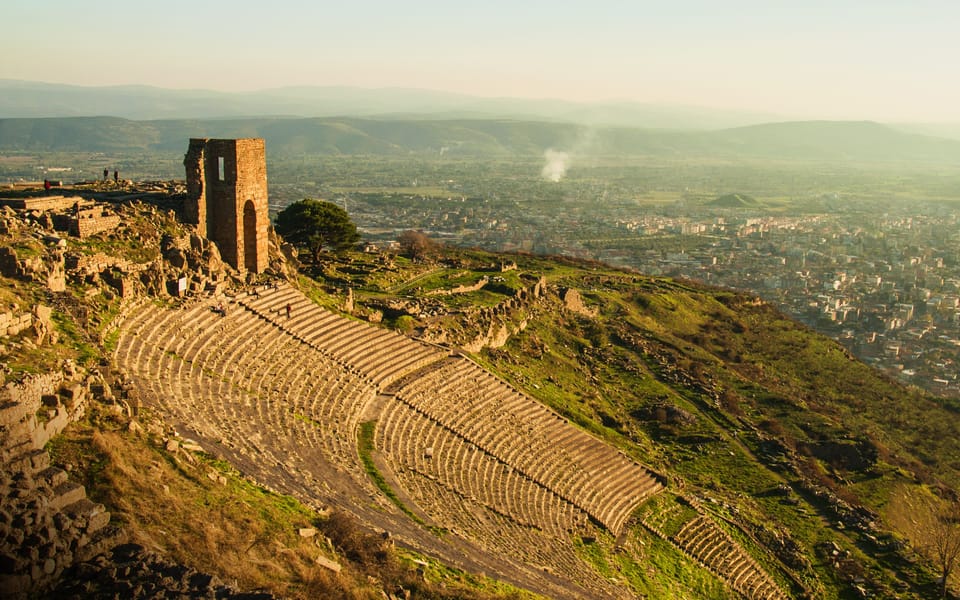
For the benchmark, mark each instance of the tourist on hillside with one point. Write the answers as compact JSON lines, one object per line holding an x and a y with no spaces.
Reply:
{"x":289,"y":308}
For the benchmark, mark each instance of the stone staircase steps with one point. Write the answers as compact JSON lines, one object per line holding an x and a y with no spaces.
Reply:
{"x":702,"y":539}
{"x":498,"y":419}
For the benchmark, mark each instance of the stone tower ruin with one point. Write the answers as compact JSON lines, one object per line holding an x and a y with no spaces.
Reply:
{"x":227,"y":198}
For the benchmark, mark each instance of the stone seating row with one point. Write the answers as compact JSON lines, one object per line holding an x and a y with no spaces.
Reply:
{"x":262,"y":433}
{"x":702,"y":539}
{"x":380,"y":354}
{"x":245,"y":368}
{"x":503,"y":536}
{"x":411,"y":441}
{"x":524,"y":434}
{"x":199,"y":401}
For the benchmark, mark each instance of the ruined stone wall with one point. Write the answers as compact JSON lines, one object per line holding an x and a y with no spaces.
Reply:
{"x":22,"y":403}
{"x":44,"y":203}
{"x":227,"y":198}
{"x":573,"y":301}
{"x":462,"y":289}
{"x":11,"y":324}
{"x":48,"y":269}
{"x":195,"y":205}
{"x":85,"y":222}
{"x":93,"y":221}
{"x":89,"y":264}
{"x":39,"y":319}
{"x":251,"y":202}
{"x":496,"y":324}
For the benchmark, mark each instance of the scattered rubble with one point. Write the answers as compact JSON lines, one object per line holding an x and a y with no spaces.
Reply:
{"x":131,"y":571}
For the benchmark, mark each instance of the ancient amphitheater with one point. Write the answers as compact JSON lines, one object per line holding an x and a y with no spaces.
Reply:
{"x":491,"y":479}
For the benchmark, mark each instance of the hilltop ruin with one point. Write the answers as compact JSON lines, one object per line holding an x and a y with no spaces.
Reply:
{"x":227,"y":198}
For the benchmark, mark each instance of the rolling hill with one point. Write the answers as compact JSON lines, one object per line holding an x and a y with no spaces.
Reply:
{"x":813,"y":140}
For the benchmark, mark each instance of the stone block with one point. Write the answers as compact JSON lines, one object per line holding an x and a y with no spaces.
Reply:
{"x":66,"y":494}
{"x":328,"y":564}
{"x":43,"y":313}
{"x":97,"y":522}
{"x":9,"y":265}
{"x":73,"y":396}
{"x":191,"y":446}
{"x":26,"y":459}
{"x":53,"y":476}
{"x":52,"y":427}
{"x":98,"y":543}
{"x":11,"y":412}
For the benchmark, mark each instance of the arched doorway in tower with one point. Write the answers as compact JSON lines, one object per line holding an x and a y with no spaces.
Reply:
{"x":250,"y":236}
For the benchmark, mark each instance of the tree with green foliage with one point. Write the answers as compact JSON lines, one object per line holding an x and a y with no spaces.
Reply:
{"x":315,"y":225}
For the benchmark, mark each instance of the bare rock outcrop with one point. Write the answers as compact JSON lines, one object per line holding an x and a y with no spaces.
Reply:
{"x":573,"y":302}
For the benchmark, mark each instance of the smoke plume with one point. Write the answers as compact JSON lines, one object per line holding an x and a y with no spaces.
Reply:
{"x":556,"y":167}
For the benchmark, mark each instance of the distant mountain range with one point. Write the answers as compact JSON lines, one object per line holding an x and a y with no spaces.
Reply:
{"x":35,"y":99}
{"x":802,"y":140}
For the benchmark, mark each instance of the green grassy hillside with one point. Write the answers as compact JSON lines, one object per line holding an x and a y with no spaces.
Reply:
{"x":774,"y":429}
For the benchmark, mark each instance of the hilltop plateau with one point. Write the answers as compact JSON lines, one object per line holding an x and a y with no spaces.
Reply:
{"x":458,"y":424}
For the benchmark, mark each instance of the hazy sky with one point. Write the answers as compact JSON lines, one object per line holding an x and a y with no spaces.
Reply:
{"x":871,"y":59}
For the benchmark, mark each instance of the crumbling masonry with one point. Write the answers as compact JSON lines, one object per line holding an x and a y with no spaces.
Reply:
{"x":227,"y":198}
